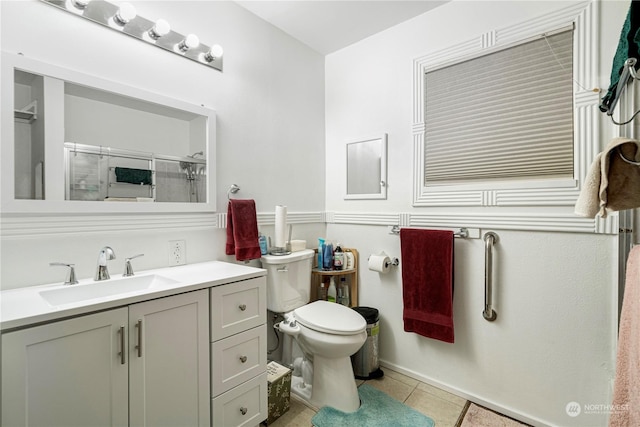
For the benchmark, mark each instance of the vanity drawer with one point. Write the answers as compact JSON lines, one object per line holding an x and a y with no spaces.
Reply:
{"x":237,"y":307}
{"x":237,"y":359}
{"x":245,"y":405}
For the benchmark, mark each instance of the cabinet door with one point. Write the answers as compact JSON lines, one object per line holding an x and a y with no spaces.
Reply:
{"x":67,"y":373}
{"x":169,"y":361}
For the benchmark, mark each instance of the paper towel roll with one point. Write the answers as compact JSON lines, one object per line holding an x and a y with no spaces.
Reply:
{"x":281,"y":226}
{"x":379,"y":263}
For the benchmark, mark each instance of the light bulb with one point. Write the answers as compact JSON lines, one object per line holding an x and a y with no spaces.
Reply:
{"x":189,"y":42}
{"x":125,"y":13}
{"x":161,"y":28}
{"x":80,"y":4}
{"x":216,"y":51}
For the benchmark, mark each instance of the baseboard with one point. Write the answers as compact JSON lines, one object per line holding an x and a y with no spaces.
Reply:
{"x":510,"y":412}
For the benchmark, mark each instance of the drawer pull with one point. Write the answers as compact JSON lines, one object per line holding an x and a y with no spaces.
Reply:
{"x":242,"y":307}
{"x":243,"y":359}
{"x":243,"y":410}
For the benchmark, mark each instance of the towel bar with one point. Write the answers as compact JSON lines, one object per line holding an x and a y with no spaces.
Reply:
{"x":462,"y":232}
{"x":490,"y":239}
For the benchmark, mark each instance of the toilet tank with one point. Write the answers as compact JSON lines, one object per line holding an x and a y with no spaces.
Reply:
{"x":288,"y":280}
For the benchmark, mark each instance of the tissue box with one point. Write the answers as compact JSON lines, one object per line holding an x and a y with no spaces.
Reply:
{"x":298,"y":245}
{"x":278,"y":390}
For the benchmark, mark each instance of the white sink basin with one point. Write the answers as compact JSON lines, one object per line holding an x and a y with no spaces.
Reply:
{"x":108,"y":288}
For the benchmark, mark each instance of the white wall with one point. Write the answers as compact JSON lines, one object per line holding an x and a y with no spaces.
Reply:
{"x":270,"y":123}
{"x":556,"y":293}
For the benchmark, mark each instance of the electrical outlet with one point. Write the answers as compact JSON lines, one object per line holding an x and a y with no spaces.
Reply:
{"x":177,"y":252}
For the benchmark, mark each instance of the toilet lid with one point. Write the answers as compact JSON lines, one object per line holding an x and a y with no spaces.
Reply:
{"x":331,"y":318}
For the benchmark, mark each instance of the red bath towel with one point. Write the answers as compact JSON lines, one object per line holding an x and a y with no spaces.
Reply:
{"x":242,"y":230}
{"x":427,"y":282}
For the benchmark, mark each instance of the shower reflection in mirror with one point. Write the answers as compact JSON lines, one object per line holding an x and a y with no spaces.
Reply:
{"x":194,"y":173}
{"x":96,"y":173}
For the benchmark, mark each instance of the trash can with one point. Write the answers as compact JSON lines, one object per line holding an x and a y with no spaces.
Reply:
{"x":365,"y":361}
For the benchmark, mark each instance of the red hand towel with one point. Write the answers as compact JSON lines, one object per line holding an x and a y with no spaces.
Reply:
{"x":427,"y":282}
{"x":242,"y":230}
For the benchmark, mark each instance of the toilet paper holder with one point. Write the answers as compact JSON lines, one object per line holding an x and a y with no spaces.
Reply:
{"x":394,"y":262}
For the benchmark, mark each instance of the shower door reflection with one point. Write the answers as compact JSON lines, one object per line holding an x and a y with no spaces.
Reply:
{"x":106,"y":174}
{"x":180,"y":181}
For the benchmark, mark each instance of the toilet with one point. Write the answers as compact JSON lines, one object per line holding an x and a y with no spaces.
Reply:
{"x":327,"y":333}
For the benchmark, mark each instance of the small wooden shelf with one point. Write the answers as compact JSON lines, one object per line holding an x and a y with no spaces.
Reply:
{"x":318,"y":276}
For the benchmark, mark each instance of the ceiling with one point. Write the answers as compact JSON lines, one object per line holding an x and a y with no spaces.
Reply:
{"x":329,"y":25}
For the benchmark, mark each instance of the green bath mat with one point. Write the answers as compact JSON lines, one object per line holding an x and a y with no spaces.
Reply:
{"x":377,"y":409}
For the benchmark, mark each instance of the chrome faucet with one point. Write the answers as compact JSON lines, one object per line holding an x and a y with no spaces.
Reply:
{"x":104,"y":255}
{"x":128,"y":270}
{"x":71,"y":278}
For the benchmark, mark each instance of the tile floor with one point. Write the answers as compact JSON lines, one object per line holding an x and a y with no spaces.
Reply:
{"x":446,"y":409}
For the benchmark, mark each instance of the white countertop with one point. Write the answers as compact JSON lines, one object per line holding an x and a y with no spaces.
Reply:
{"x":24,"y":306}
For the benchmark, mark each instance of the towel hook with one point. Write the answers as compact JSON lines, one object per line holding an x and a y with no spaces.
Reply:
{"x":627,"y":74}
{"x":233,"y":190}
{"x":625,"y":159}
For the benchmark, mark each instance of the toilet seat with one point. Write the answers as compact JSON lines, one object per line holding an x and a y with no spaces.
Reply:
{"x":330,"y":318}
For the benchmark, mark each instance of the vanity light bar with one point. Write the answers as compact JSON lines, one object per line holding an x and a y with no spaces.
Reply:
{"x":123,"y":18}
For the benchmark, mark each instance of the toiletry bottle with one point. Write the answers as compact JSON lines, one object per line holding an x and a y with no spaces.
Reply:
{"x":348,"y":260}
{"x":331,"y":293}
{"x":344,"y":288}
{"x":320,"y":252}
{"x":262,"y":240}
{"x":322,"y":291}
{"x":338,"y":258}
{"x":327,"y":256}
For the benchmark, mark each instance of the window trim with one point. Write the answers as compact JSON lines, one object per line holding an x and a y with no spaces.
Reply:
{"x":586,"y":124}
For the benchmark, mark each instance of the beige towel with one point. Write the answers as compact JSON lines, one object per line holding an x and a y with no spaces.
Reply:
{"x":625,"y":411}
{"x":611,"y":183}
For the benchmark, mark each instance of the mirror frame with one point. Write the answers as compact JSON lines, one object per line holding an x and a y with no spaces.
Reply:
{"x":56,"y":203}
{"x":383,"y":169}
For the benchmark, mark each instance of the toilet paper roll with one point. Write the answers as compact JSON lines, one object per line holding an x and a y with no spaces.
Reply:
{"x":281,"y":226}
{"x":379,"y":263}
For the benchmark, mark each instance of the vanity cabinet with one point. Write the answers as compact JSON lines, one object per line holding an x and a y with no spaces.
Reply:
{"x":239,"y":353}
{"x":145,"y":364}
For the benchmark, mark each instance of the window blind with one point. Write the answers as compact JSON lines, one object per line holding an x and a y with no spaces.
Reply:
{"x":503,"y":116}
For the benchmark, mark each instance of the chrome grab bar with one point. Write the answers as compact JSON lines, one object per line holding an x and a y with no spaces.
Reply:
{"x":490,"y":239}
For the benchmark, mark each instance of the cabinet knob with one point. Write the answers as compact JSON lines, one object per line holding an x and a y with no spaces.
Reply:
{"x":243,"y":359}
{"x":243,"y":410}
{"x":242,"y":307}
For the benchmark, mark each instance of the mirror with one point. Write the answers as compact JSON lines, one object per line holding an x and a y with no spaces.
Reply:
{"x":367,"y":168}
{"x":76,"y":140}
